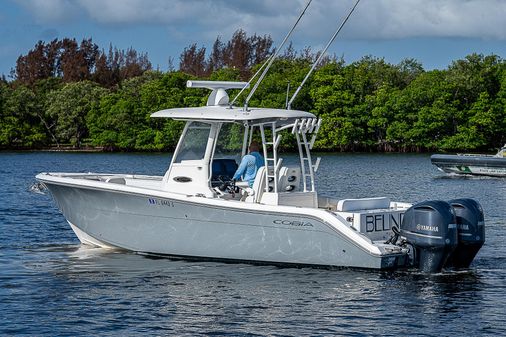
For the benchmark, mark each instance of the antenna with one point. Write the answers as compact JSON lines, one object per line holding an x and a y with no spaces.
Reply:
{"x":287,"y":93}
{"x":321,"y":56}
{"x":273,"y":57}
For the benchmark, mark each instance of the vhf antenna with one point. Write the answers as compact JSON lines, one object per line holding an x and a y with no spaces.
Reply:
{"x":321,"y":56}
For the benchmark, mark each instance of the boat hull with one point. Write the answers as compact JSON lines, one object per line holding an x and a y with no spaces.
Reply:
{"x":192,"y":229}
{"x":468,"y":164}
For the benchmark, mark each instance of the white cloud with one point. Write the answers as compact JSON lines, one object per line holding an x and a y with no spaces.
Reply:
{"x":432,"y":18}
{"x":373,"y":19}
{"x":50,"y":10}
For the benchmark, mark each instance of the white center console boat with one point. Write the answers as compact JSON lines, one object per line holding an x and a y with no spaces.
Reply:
{"x":194,"y":211}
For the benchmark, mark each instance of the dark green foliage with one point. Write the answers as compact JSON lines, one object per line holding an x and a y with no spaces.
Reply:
{"x":122,"y":120}
{"x":69,"y":106}
{"x":371,"y":105}
{"x":70,"y":94}
{"x":19,"y":119}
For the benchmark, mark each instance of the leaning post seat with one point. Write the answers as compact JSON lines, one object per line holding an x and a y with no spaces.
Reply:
{"x":258,"y":186}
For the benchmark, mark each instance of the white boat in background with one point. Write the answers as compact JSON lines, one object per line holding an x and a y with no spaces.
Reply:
{"x":194,"y":210}
{"x":473,"y":164}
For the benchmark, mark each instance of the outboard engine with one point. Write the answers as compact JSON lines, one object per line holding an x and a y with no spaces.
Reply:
{"x":430,"y":229}
{"x":470,"y":230}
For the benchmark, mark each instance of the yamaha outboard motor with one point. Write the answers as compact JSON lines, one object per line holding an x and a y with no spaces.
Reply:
{"x":471,"y":232}
{"x":429,"y":228}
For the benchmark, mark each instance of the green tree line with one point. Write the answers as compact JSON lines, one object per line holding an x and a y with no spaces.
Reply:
{"x":367,"y":105}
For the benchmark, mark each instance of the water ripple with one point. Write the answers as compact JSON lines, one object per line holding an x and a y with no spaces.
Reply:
{"x":51,"y":285}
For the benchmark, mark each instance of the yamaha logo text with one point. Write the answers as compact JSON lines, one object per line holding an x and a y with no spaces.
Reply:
{"x":427,"y":228}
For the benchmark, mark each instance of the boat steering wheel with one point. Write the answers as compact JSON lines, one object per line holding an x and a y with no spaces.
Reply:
{"x":227,"y":185}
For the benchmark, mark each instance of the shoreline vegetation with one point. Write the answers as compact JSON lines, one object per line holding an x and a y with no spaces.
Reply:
{"x":69,"y":96}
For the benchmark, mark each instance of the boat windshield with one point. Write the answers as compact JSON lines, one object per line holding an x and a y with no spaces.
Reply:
{"x":230,"y":141}
{"x":194,"y":143}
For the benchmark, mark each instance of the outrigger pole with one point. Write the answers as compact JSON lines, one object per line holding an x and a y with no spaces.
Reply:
{"x":271,"y":59}
{"x":288,"y":106}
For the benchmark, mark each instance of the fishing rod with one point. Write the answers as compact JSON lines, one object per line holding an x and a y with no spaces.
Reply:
{"x":288,"y":106}
{"x":273,"y":57}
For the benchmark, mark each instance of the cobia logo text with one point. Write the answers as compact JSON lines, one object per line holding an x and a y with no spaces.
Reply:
{"x":295,"y":223}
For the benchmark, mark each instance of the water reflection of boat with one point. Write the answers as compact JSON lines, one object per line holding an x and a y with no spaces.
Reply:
{"x":475,"y":164}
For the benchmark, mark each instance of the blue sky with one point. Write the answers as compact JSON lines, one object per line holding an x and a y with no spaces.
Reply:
{"x":434,"y":32}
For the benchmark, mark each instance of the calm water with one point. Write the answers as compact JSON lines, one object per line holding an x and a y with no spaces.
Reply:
{"x":51,"y":285}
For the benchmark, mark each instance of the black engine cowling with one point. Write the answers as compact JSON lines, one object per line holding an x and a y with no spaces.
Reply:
{"x":471,"y":232}
{"x":430,"y":228}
